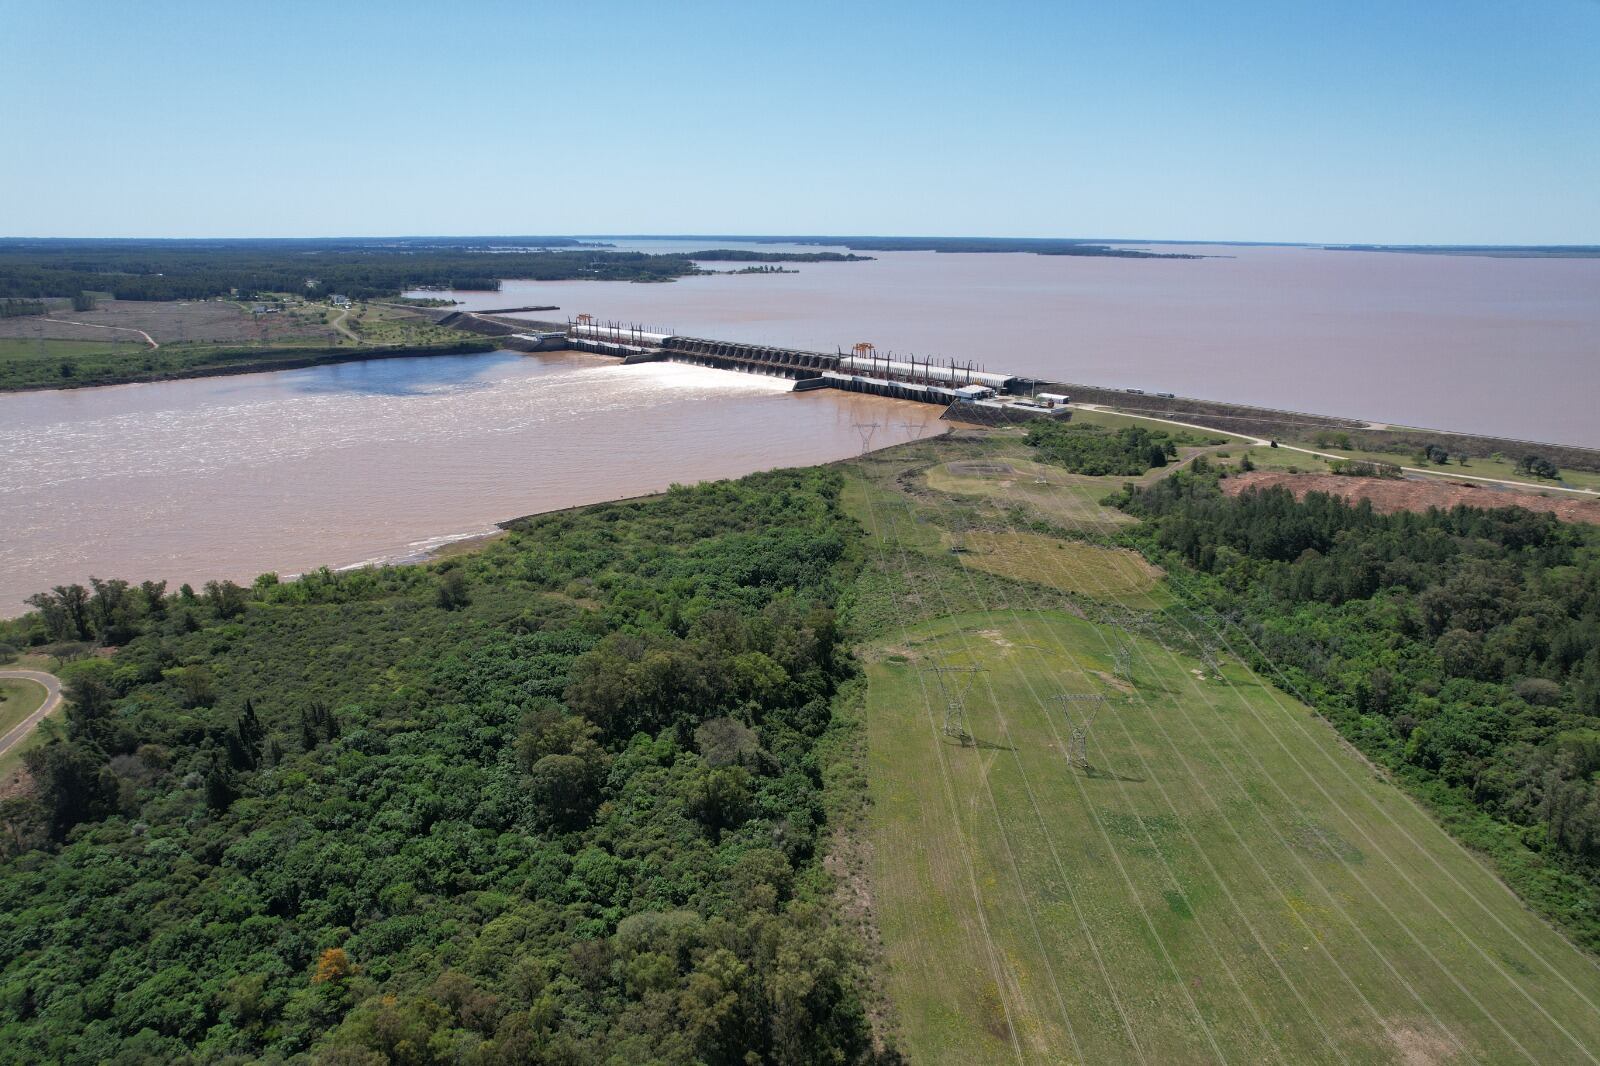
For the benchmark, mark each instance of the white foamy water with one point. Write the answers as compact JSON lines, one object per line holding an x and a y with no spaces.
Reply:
{"x":364,"y":462}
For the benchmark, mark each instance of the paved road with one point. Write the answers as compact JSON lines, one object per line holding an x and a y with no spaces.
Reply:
{"x":1531,"y":486}
{"x":52,"y":687}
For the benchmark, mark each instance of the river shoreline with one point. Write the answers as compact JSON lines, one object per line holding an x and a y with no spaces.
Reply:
{"x":378,"y":460}
{"x":1225,"y":414}
{"x":295,"y":359}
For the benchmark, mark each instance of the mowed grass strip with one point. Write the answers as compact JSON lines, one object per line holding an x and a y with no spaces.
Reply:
{"x":1071,"y":498}
{"x":13,"y":711}
{"x":19,"y":698}
{"x":1122,"y":576}
{"x":1301,"y":875}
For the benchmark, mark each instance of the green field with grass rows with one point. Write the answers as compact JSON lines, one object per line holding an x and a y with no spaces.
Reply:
{"x":1212,"y":876}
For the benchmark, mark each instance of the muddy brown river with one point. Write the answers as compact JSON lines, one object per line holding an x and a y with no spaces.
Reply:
{"x":383,"y":460}
{"x":1504,"y":346}
{"x":336,"y":466}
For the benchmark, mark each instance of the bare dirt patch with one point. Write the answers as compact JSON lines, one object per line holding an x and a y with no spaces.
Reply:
{"x":1422,"y":1047}
{"x":15,"y":782}
{"x":1389,"y":495}
{"x":1113,"y":681}
{"x":994,"y":636}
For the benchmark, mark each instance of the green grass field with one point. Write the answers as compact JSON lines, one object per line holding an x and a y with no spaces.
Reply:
{"x":1504,"y":469}
{"x":1068,"y":565}
{"x":22,"y":699}
{"x":1029,"y":482}
{"x":18,"y":699}
{"x":1226,"y":881}
{"x":27,"y":349}
{"x":206,"y":337}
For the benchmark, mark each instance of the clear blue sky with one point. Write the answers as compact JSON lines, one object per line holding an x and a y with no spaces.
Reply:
{"x":1452,"y":121}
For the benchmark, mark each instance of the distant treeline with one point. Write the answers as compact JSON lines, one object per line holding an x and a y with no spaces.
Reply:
{"x":191,"y":270}
{"x":733,"y":255}
{"x":1510,"y":251}
{"x":1037,"y":245}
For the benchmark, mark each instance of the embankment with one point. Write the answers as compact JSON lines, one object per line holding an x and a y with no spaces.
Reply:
{"x":252,"y":361}
{"x":1299,"y":426}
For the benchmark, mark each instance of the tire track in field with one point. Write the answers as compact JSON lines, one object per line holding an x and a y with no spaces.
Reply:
{"x":1111,"y":848}
{"x":1171,"y":875}
{"x":1266,"y":875}
{"x":965,"y":848}
{"x":1010,"y":856}
{"x":1399,"y":870}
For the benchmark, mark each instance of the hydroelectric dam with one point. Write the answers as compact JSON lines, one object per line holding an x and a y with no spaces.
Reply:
{"x":967,"y":392}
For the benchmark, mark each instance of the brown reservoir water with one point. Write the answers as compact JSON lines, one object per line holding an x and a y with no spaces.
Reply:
{"x":383,"y":460}
{"x":1504,"y":346}
{"x":339,"y":465}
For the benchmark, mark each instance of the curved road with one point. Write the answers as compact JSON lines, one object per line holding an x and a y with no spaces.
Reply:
{"x":1264,"y":442}
{"x":339,"y":324}
{"x":52,"y":699}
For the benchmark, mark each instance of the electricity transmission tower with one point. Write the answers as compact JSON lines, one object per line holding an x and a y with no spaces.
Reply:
{"x":955,"y":696}
{"x":866,"y":430}
{"x":1078,"y":732}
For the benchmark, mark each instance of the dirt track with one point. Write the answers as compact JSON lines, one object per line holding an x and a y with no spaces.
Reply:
{"x":168,"y":322}
{"x":1389,"y":495}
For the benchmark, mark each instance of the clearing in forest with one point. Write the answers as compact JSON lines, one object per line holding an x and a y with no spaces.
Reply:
{"x":1224,"y":882}
{"x":1120,"y":575}
{"x":1072,"y":498}
{"x":1139,"y":856}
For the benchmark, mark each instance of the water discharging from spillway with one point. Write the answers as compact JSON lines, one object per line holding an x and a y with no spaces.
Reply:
{"x":338,"y":465}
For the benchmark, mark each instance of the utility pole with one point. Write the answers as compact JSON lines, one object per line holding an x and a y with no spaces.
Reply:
{"x":955,"y":694}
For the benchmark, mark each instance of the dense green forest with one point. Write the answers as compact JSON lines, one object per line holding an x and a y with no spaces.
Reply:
{"x":1035,"y":245}
{"x":189,"y":270}
{"x":745,"y":255}
{"x":1460,"y":649}
{"x":1084,"y":448}
{"x":562,"y":800}
{"x":360,"y":269}
{"x":566,"y":799}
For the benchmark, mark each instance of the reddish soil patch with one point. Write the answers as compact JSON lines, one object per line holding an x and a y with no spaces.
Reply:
{"x":1389,"y":495}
